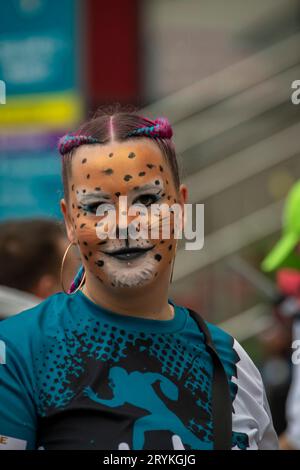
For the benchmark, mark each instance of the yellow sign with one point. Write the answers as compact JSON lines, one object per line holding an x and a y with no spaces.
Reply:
{"x":48,"y":110}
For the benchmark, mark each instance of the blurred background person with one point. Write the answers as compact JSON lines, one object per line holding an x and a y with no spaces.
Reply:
{"x":284,"y":258}
{"x":31,"y":252}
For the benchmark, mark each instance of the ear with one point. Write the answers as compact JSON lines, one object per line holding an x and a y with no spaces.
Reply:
{"x":68,"y":221}
{"x":183,"y":195}
{"x":182,"y":200}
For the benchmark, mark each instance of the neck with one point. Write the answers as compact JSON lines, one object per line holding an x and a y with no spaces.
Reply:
{"x":145,"y":302}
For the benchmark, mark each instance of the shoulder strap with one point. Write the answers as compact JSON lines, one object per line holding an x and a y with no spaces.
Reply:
{"x":221,"y":399}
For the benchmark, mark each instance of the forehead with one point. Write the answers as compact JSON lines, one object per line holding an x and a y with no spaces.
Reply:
{"x":116,"y":157}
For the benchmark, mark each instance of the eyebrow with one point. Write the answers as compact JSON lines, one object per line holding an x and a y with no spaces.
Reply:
{"x":148,"y":186}
{"x":92,"y":196}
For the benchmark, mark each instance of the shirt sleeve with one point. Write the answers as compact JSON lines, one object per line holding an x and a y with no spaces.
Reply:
{"x":293,"y":401}
{"x":17,"y":409}
{"x":251,"y":413}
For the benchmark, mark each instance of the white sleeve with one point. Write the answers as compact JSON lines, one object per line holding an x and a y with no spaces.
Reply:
{"x":293,"y":401}
{"x":251,"y":412}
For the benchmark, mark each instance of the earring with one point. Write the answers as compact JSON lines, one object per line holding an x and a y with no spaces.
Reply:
{"x":62,"y":269}
{"x":171,"y":278}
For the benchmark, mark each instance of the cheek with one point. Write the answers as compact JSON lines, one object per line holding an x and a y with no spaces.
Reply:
{"x":164,"y":252}
{"x":162,"y":224}
{"x":85,"y":227}
{"x":87,"y":241}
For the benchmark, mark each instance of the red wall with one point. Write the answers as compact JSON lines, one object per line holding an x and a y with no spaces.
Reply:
{"x":112,"y":51}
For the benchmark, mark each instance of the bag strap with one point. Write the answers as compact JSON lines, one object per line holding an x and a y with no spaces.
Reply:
{"x":221,"y":399}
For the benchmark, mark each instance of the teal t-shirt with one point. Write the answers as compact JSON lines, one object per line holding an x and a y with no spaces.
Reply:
{"x":77,"y":376}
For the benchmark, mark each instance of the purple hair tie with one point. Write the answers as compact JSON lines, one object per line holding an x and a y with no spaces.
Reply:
{"x":160,"y":128}
{"x":70,"y":141}
{"x":77,"y":280}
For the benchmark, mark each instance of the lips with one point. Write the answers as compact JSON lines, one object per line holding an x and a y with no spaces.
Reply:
{"x":126,"y":254}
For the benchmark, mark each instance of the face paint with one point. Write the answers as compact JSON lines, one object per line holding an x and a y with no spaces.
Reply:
{"x":135,"y":169}
{"x":89,"y":201}
{"x":108,"y":171}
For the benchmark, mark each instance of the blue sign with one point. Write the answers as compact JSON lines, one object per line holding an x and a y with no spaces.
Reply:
{"x":30,"y":178}
{"x":37,"y":46}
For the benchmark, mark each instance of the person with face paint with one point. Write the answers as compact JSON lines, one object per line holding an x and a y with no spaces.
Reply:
{"x":113,"y":363}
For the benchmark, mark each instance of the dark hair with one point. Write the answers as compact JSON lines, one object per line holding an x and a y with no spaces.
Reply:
{"x":116,"y":123}
{"x":28,"y":250}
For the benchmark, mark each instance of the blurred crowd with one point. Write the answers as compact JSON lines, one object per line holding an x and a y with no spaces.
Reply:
{"x":31,"y":252}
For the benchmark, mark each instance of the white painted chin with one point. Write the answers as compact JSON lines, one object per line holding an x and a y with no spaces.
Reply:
{"x":134,"y":273}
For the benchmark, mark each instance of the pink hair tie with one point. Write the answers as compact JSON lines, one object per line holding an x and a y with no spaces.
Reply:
{"x":70,"y":141}
{"x":159,"y":128}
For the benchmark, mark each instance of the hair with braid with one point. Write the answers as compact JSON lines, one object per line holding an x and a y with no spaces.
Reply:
{"x":114,"y":124}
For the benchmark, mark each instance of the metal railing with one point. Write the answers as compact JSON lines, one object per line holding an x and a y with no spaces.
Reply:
{"x":207,"y":110}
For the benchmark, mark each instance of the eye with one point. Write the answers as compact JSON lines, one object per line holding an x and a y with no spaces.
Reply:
{"x":146,"y":199}
{"x":92,"y":207}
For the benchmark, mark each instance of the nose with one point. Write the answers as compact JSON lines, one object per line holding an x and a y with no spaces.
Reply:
{"x":123,"y":218}
{"x":121,"y":232}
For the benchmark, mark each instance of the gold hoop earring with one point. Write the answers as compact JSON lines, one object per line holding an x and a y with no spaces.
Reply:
{"x":171,"y":278}
{"x":62,"y":269}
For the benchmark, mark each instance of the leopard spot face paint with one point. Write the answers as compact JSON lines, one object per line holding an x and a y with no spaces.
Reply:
{"x":121,"y":263}
{"x":127,"y":177}
{"x":108,"y":171}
